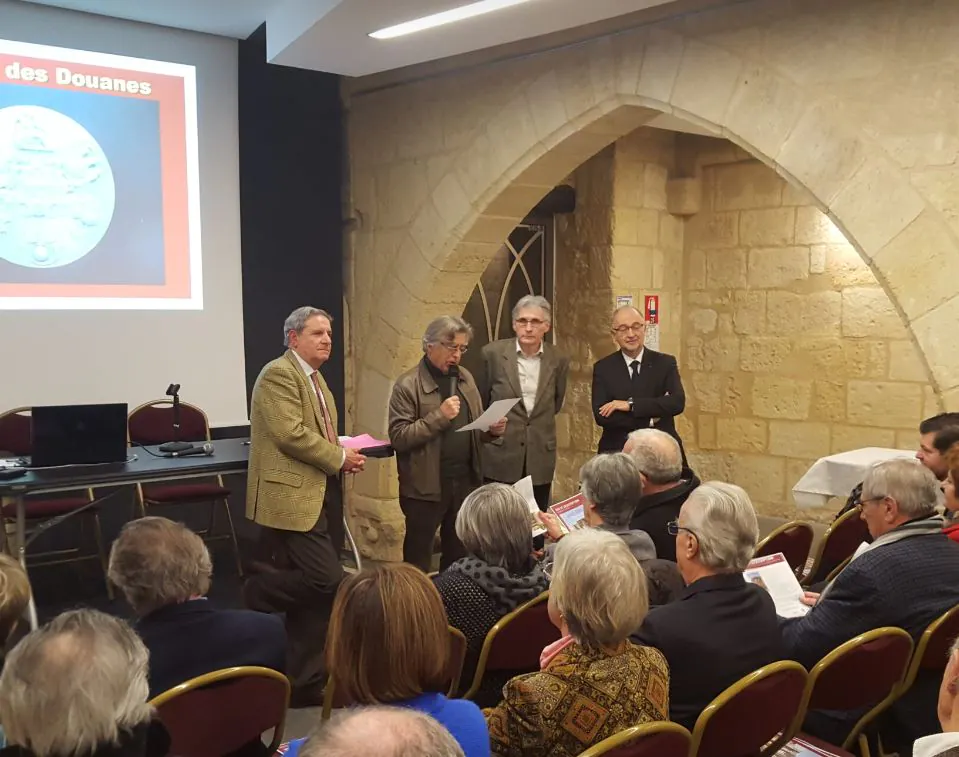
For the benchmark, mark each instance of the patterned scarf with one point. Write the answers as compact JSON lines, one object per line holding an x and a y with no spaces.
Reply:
{"x":507,"y":590}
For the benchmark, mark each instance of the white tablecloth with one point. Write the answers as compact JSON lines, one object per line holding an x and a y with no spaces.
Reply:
{"x":836,"y":475}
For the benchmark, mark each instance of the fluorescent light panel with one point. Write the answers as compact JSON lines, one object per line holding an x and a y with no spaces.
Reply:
{"x":446,"y":17}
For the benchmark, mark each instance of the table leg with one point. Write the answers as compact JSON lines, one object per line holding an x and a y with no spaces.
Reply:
{"x":21,"y":534}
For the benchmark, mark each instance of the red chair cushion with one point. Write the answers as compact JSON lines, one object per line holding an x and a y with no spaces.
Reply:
{"x":36,"y":509}
{"x":184,"y":493}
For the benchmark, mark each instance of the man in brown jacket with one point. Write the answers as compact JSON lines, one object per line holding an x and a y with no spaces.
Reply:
{"x":437,"y":465}
{"x":293,"y":492}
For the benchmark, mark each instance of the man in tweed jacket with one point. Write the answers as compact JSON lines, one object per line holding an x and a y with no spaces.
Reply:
{"x":907,"y":577}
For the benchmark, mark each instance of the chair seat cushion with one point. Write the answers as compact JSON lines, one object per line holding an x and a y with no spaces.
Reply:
{"x":47,"y":508}
{"x":184,"y":493}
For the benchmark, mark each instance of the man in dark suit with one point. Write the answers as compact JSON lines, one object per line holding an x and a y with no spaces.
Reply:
{"x":164,"y":570}
{"x":721,"y":628}
{"x":529,"y":368}
{"x":635,"y":387}
{"x":907,"y":577}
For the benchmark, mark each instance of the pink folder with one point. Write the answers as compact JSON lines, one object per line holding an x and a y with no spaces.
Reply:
{"x":363,"y":441}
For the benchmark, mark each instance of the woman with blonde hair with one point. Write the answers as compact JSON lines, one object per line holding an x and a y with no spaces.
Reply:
{"x":388,"y":644}
{"x":593,"y":682}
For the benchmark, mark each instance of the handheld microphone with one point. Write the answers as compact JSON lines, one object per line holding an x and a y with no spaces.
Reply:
{"x":454,"y":376}
{"x":206,"y":449}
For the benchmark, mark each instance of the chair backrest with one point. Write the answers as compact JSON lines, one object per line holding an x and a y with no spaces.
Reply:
{"x":660,"y":739}
{"x":220,"y":712}
{"x":152,"y":423}
{"x":864,"y":673}
{"x":515,"y":643}
{"x":334,"y":698}
{"x":932,"y":650}
{"x":838,"y":544}
{"x":755,"y":715}
{"x":793,"y":539}
{"x":15,"y":432}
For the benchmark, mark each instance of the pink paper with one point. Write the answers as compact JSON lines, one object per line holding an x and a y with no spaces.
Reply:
{"x":361,"y":442}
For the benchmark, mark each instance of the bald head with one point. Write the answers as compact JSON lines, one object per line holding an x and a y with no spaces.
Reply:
{"x":658,"y":457}
{"x":629,"y":311}
{"x":382,"y":732}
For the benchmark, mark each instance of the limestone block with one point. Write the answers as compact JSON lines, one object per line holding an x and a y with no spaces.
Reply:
{"x":867,"y":312}
{"x":378,"y":526}
{"x":764,"y":108}
{"x":763,"y":477}
{"x":778,"y":397}
{"x":769,"y":227}
{"x":714,"y":230}
{"x":712,"y":466}
{"x":664,"y":52}
{"x":760,"y":354}
{"x":726,"y":269}
{"x":795,"y":194}
{"x":695,"y":269}
{"x":778,"y":266}
{"x":632,"y":268}
{"x":684,"y":196}
{"x":741,"y":434}
{"x":705,"y":391}
{"x":563,"y":439}
{"x":938,"y":339}
{"x":811,"y":314}
{"x":933,"y":404}
{"x":746,"y":186}
{"x":707,"y":431}
{"x":845,"y":438}
{"x":834,"y":357}
{"x":547,"y":106}
{"x":919,"y":265}
{"x":815,"y":227}
{"x":707,"y":77}
{"x":654,"y":186}
{"x":829,"y":401}
{"x":884,"y":403}
{"x":844,"y":265}
{"x":703,"y":321}
{"x":629,"y":182}
{"x":907,"y":440}
{"x":516,"y":200}
{"x":749,"y":312}
{"x":671,"y":233}
{"x":877,"y":204}
{"x":940,"y":186}
{"x":905,"y":362}
{"x":798,"y":439}
{"x":817,"y":259}
{"x":716,"y":354}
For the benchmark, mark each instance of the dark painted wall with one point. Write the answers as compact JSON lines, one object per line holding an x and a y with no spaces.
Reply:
{"x":292,"y":159}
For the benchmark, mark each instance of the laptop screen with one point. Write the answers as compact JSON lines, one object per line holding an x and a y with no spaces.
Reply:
{"x":78,"y":434}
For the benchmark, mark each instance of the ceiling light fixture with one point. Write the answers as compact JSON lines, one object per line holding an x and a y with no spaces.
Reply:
{"x":446,"y":17}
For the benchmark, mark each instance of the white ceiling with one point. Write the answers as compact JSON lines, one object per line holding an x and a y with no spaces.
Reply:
{"x":331,"y":35}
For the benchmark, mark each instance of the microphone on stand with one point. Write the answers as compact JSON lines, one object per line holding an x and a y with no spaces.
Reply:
{"x":206,"y":449}
{"x":176,"y":446}
{"x":454,"y":377}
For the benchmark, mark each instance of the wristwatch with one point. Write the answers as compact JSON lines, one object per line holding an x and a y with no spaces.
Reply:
{"x":629,"y":401}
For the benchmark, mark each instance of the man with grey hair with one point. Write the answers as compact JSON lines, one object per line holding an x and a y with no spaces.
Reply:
{"x":531,"y":368}
{"x":660,"y":463}
{"x":436,"y":464}
{"x":78,"y":685}
{"x":164,"y":571}
{"x":294,"y":493}
{"x":381,"y":732}
{"x":722,"y":627}
{"x":907,"y":577}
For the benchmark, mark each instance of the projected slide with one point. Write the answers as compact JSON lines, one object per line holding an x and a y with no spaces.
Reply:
{"x":99,"y":182}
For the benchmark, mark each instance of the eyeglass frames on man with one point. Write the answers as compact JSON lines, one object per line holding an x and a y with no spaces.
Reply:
{"x":673,"y":528}
{"x":460,"y":348}
{"x":639,"y":328}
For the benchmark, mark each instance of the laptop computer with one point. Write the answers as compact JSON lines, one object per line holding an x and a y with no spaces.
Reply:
{"x":78,"y":434}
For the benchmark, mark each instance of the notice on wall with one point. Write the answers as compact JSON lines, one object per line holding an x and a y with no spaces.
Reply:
{"x":651,"y":314}
{"x":623,"y":300}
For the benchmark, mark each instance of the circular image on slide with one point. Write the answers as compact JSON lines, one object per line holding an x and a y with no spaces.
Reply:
{"x":57,"y":193}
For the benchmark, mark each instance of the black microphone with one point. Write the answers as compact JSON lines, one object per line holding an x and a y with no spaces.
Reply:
{"x":206,"y":449}
{"x":454,"y":376}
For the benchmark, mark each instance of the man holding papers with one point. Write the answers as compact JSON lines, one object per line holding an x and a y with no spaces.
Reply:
{"x":532,"y":369}
{"x":437,"y":457}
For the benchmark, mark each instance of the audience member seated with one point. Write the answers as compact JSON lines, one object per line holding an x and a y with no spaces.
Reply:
{"x":499,"y":572}
{"x":660,"y":463}
{"x":593,"y":682}
{"x":907,"y":577}
{"x":388,"y":643}
{"x":14,"y":598}
{"x":949,"y":491}
{"x":164,"y":571}
{"x":945,"y":744}
{"x":78,"y":686}
{"x":612,"y":487}
{"x":722,"y":628}
{"x":381,"y":732}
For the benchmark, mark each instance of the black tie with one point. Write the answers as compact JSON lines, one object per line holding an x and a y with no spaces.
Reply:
{"x":634,"y":377}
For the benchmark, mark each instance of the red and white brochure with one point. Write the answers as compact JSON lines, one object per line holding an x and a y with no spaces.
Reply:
{"x":571,"y":512}
{"x":773,"y":573}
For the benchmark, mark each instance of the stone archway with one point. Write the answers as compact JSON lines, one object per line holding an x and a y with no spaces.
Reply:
{"x":544,"y":116}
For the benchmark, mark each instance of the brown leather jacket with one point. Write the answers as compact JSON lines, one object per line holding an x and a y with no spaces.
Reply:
{"x":416,"y":427}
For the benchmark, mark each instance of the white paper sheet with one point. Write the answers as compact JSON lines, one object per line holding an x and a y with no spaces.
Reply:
{"x":495,"y":412}
{"x":525,"y":489}
{"x":774,"y":575}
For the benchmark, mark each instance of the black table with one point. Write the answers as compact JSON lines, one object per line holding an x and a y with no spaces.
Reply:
{"x":229,"y":456}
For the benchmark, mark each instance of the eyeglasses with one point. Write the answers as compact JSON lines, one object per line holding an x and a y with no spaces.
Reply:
{"x":536,"y":322}
{"x":863,"y":502}
{"x":639,"y":328}
{"x":674,"y":528}
{"x":460,"y":348}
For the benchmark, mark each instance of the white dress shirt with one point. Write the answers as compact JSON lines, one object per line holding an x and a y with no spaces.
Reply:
{"x":937,"y":743}
{"x":629,"y":361}
{"x":309,"y":370}
{"x":528,"y":368}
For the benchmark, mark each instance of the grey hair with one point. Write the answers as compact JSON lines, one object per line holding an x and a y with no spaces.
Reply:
{"x":74,"y":684}
{"x":444,"y":329}
{"x":494,"y":524}
{"x":621,"y":308}
{"x":909,"y":482}
{"x":156,"y":562}
{"x":381,"y":731}
{"x":657,"y":455}
{"x":955,"y":647}
{"x":724,"y":521}
{"x":611,"y":482}
{"x":599,"y":587}
{"x":296,"y":321}
{"x":534,"y":301}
